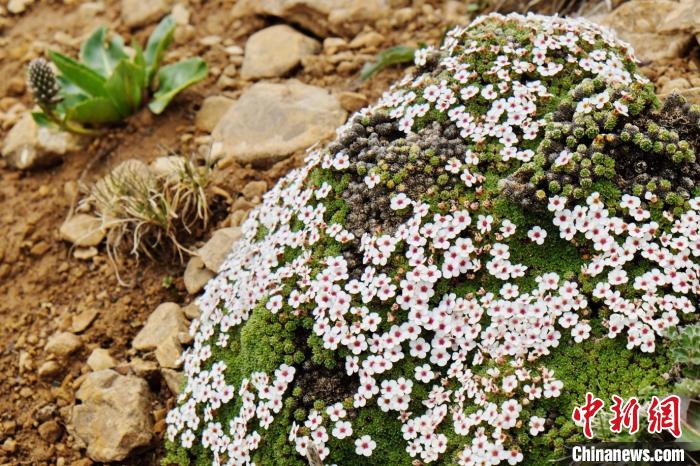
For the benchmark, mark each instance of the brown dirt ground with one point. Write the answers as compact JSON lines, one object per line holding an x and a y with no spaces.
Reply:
{"x":42,"y":285}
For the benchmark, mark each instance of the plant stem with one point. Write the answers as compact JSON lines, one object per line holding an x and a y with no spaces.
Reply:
{"x":81,"y":130}
{"x":65,"y":125}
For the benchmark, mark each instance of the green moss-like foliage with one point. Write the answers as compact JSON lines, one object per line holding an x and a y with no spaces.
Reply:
{"x":508,"y":229}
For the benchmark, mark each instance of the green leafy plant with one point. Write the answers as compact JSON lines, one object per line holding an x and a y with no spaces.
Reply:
{"x":685,"y":350}
{"x":686,"y":345}
{"x":107,"y":84}
{"x":690,"y":424}
{"x":391,"y":56}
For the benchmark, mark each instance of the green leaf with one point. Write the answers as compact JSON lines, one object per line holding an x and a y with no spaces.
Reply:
{"x":174,"y":78}
{"x":79,"y":75}
{"x":97,"y":110}
{"x":71,"y":101}
{"x":125,"y":87}
{"x":70,"y":94}
{"x":157,"y":43}
{"x":140,"y":61}
{"x":101,"y":57}
{"x":690,"y":424}
{"x":42,"y":120}
{"x":67,"y":88}
{"x":390,"y":56}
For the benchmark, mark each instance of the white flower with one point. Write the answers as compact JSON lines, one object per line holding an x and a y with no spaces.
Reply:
{"x":424,"y":373}
{"x":468,"y":92}
{"x":630,"y":202}
{"x":620,"y":108}
{"x":431,"y":93}
{"x":187,"y":438}
{"x":556,"y":203}
{"x":364,"y":445}
{"x":342,"y":429}
{"x":581,"y":331}
{"x":537,"y":235}
{"x":507,"y":228}
{"x":617,"y":277}
{"x":371,"y":180}
{"x":536,"y":425}
{"x":488,"y":92}
{"x":400,"y":201}
{"x":421,"y":56}
{"x":564,"y":157}
{"x":484,"y":223}
{"x":336,"y":411}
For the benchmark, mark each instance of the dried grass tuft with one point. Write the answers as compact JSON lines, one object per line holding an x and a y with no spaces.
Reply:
{"x":152,"y":213}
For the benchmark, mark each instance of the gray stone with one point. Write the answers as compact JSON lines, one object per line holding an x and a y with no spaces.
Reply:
{"x":46,"y":412}
{"x":322,"y":17}
{"x":173,"y":379}
{"x":331,"y":45}
{"x":275,"y":51}
{"x":82,"y":230}
{"x":352,"y":101}
{"x":181,"y":15}
{"x":85,"y":253}
{"x":685,"y":17}
{"x":137,"y":13}
{"x":27,"y":146}
{"x":184,"y":338}
{"x":168,"y":353}
{"x":215,"y":251}
{"x":192,"y":311}
{"x":91,"y":9}
{"x":18,"y":6}
{"x":371,"y":39}
{"x":270,"y":121}
{"x":213,"y":108}
{"x":50,"y":431}
{"x":210,"y":41}
{"x":692,"y":95}
{"x":82,"y":321}
{"x":677,"y":84}
{"x":641,"y":23}
{"x":234,"y":50}
{"x":49,"y":370}
{"x":25,"y":362}
{"x":254,"y":189}
{"x":166,"y":321}
{"x":63,"y":344}
{"x":114,"y":416}
{"x":237,"y":218}
{"x":143,"y":368}
{"x":196,"y":275}
{"x":100,"y":359}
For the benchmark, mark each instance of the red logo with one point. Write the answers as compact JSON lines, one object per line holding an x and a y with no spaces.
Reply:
{"x":586,"y":413}
{"x":664,"y":414}
{"x":625,"y":415}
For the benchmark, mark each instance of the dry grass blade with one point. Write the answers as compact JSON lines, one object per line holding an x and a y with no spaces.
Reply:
{"x":150,"y":213}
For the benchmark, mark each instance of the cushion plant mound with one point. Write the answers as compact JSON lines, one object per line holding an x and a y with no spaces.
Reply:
{"x":513,"y":226}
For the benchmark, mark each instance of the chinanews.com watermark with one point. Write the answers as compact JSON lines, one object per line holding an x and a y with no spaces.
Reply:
{"x":662,"y":416}
{"x":669,"y":453}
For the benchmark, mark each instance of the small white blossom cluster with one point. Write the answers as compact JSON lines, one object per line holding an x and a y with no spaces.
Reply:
{"x":665,"y":287}
{"x":453,"y":339}
{"x":210,"y":389}
{"x":508,"y":110}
